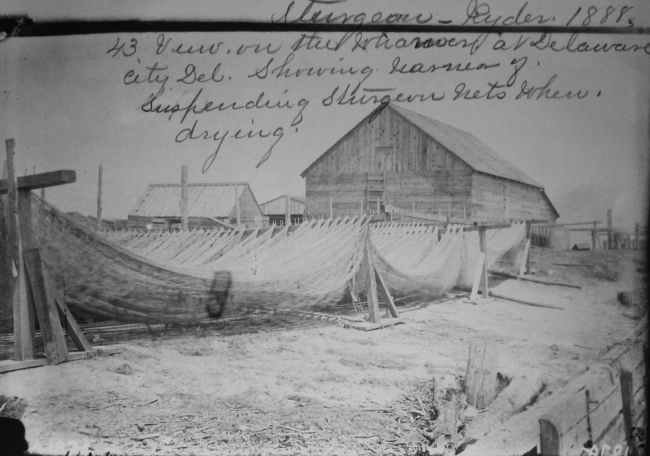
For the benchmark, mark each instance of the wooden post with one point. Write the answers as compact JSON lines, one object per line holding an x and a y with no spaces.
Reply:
{"x":385,"y":294}
{"x":99,"y":199}
{"x":627,"y":395}
{"x":23,"y":313}
{"x":331,"y":208}
{"x":594,"y":236}
{"x":481,"y":373}
{"x":550,"y":438}
{"x":465,"y":213}
{"x":524,"y":268}
{"x":184,"y":204}
{"x":361,"y":207}
{"x":448,"y":212}
{"x":636,"y":236}
{"x":287,"y":210}
{"x":482,"y":240}
{"x":609,"y":229}
{"x":54,"y":343}
{"x":378,"y":208}
{"x":373,"y":300}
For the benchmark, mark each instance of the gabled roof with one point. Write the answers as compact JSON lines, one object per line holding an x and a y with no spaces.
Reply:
{"x":467,"y":147}
{"x":204,"y":200}
{"x":300,"y":199}
{"x":462,"y":144}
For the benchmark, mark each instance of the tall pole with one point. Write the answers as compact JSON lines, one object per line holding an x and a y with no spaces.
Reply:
{"x":287,"y":210}
{"x":99,"y":199}
{"x":184,"y":205}
{"x":609,"y":229}
{"x":636,"y":236}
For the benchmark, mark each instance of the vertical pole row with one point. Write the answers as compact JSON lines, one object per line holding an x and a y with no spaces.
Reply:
{"x":184,"y":208}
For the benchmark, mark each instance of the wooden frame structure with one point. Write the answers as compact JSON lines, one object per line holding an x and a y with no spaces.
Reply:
{"x":32,"y":293}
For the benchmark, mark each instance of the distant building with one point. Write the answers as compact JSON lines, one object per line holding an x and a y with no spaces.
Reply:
{"x":209,"y":205}
{"x":276,"y":208}
{"x":410,"y":162}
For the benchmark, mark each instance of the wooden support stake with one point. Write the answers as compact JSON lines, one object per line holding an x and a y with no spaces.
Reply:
{"x":636,"y":236}
{"x":388,"y":299}
{"x":287,"y":210}
{"x":23,"y":313}
{"x":373,"y":300}
{"x":56,"y":349}
{"x":331,"y":208}
{"x":75,"y":332}
{"x":627,"y":395}
{"x":361,"y":207}
{"x":99,"y":199}
{"x":482,"y":239}
{"x":550,"y":437}
{"x":184,"y":204}
{"x":481,"y":373}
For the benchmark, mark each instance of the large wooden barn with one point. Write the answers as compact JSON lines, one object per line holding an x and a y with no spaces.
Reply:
{"x":209,"y":205}
{"x":414,"y":164}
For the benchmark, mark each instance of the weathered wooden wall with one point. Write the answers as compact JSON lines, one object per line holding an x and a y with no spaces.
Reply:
{"x":419,"y":172}
{"x":494,"y":198}
{"x":388,"y":143}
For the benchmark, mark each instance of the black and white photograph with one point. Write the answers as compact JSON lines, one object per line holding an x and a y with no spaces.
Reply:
{"x":324,"y":227}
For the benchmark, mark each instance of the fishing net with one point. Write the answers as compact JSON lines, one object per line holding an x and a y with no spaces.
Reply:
{"x":425,"y":264}
{"x":179,"y":282}
{"x":505,"y":248}
{"x":173,"y":277}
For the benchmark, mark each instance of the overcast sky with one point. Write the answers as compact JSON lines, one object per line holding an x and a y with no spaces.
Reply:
{"x":69,"y":107}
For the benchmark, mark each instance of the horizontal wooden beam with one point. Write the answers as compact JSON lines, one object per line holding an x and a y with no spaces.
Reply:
{"x":42,"y":180}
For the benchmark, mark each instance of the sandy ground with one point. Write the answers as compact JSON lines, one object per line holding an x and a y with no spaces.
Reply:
{"x":324,"y":389}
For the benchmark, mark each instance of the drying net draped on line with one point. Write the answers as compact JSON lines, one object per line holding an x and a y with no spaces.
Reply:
{"x":505,"y":248}
{"x":415,"y":260}
{"x":179,"y":277}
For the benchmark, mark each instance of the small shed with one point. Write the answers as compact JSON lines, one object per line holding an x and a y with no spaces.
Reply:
{"x":209,"y":205}
{"x":408,"y":161}
{"x":276,"y":209}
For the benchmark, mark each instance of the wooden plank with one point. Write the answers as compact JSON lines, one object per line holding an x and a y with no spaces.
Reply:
{"x":368,"y":326}
{"x":481,"y":373}
{"x":56,"y":349}
{"x":529,"y":279}
{"x":388,"y":299}
{"x":75,"y":332}
{"x":627,"y":392}
{"x":550,"y":439}
{"x":11,"y":365}
{"x":42,"y":180}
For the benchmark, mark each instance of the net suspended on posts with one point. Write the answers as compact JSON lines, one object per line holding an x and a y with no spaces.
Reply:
{"x":310,"y":266}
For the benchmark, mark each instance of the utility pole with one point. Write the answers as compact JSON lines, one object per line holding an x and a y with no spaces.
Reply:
{"x":184,"y":222}
{"x":99,"y":199}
